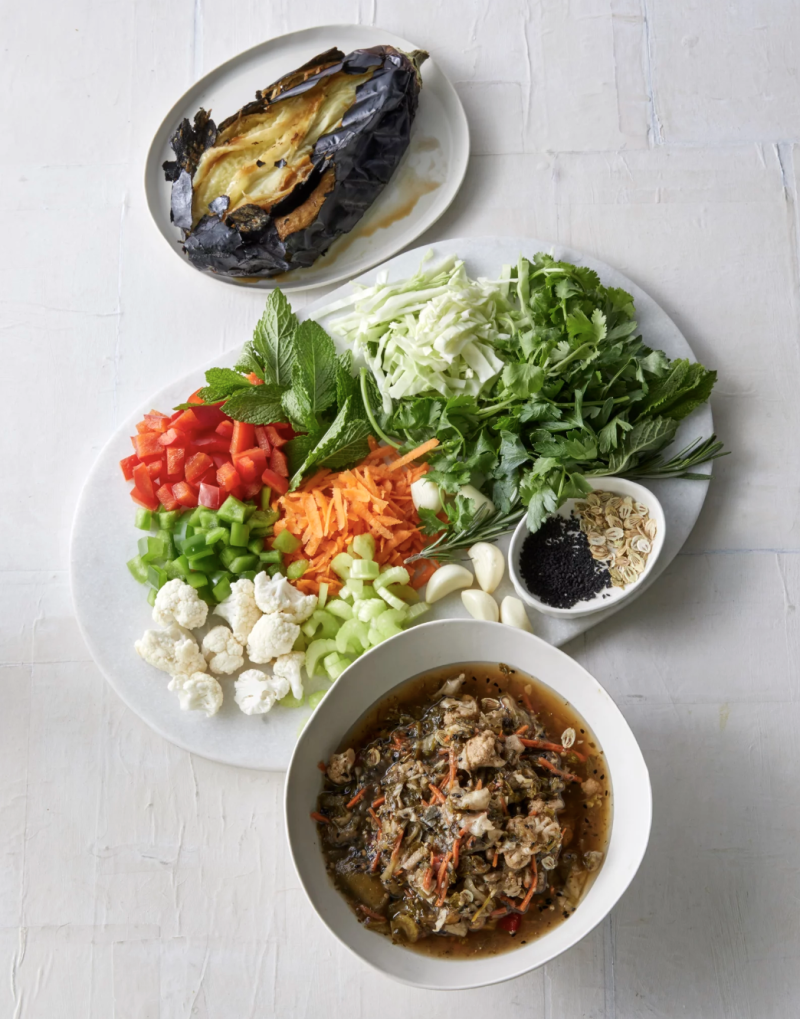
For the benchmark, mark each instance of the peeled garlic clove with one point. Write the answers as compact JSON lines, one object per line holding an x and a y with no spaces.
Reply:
{"x":478,"y":498}
{"x":512,"y":613}
{"x":480,"y":605}
{"x":489,"y":564}
{"x":446,"y":580}
{"x":425,"y":494}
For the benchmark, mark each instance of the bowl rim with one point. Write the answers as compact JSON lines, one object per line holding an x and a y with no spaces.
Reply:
{"x":631,"y":789}
{"x":596,"y":603}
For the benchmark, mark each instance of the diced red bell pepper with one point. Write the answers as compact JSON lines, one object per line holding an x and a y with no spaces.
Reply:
{"x":252,"y":377}
{"x":196,"y":466}
{"x":279,"y":463}
{"x":263,"y":439}
{"x":157,"y":421}
{"x":210,"y":442}
{"x":243,"y":437}
{"x":148,"y":501}
{"x":147,"y":444}
{"x":142,"y":480}
{"x":228,"y":477}
{"x":195,"y":397}
{"x":170,"y":437}
{"x":256,"y":454}
{"x":251,"y":489}
{"x":154,"y":468}
{"x":275,"y":481}
{"x":274,"y":436}
{"x":175,"y":458}
{"x":510,"y":923}
{"x":187,"y":421}
{"x":143,"y":426}
{"x":209,"y":496}
{"x":127,"y":466}
{"x":225,"y":428}
{"x":184,"y":494}
{"x":246,"y":468}
{"x":166,"y":498}
{"x":220,"y":459}
{"x":209,"y":415}
{"x":210,"y":476}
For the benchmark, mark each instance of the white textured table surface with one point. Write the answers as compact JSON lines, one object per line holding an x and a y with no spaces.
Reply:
{"x":139,"y":883}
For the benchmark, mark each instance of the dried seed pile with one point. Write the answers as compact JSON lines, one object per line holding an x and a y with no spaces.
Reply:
{"x":620,"y":533}
{"x":557,"y":565}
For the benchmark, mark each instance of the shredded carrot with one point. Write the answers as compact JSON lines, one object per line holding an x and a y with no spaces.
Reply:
{"x":437,"y":794}
{"x":330,"y":509}
{"x":526,"y":901}
{"x":427,"y":879}
{"x":527,"y":702}
{"x":370,"y":913}
{"x":379,"y":802}
{"x":495,"y":858}
{"x":452,"y":776}
{"x":441,"y":882}
{"x":522,"y":728}
{"x":398,"y":840}
{"x":319,"y":818}
{"x":374,"y":817}
{"x":362,"y":792}
{"x":557,"y":771}
{"x":456,"y":851}
{"x":480,"y":784}
{"x":322,"y":766}
{"x":376,"y":862}
{"x":541,"y":744}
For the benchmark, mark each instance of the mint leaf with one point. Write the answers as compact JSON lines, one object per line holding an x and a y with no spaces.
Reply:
{"x":298,"y":448}
{"x":295,"y":411}
{"x":258,"y":405}
{"x":313,"y":372}
{"x":346,"y":383}
{"x":344,"y":443}
{"x":222,"y":382}
{"x":645,"y":437}
{"x":273,"y":340}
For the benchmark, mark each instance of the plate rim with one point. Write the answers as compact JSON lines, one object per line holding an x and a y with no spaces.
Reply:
{"x":311,"y":310}
{"x":151,"y":166}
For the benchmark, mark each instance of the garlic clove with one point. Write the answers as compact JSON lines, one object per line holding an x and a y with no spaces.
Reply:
{"x":425,"y":494}
{"x":480,"y":605}
{"x":489,"y":564}
{"x":512,"y":613}
{"x":445,"y":580}
{"x":478,"y":498}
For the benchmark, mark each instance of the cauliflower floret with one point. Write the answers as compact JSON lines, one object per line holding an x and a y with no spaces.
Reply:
{"x":256,"y":692}
{"x":222,"y":651}
{"x":179,"y":603}
{"x":288,"y":667}
{"x":198,"y":692}
{"x":276,"y":594}
{"x":173,"y":650}
{"x":240,"y":610}
{"x":271,"y":637}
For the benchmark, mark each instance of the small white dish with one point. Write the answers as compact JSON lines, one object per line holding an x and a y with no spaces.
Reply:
{"x":609,"y":596}
{"x":367,"y":681}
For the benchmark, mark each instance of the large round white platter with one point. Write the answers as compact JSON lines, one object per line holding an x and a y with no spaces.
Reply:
{"x":420,"y":190}
{"x":113,"y":612}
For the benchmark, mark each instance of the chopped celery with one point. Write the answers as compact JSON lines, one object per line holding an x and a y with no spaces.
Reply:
{"x":286,"y":542}
{"x":394,"y":575}
{"x":323,"y":621}
{"x":353,"y":636}
{"x":390,"y":599}
{"x":337,"y":607}
{"x":232,"y":511}
{"x":335,"y":665}
{"x":273,"y":556}
{"x":315,"y":650}
{"x":197,"y":580}
{"x":300,"y":643}
{"x":242,"y":563}
{"x":415,"y":611}
{"x":218,"y":534}
{"x":138,"y":569}
{"x":296,"y":569}
{"x":364,"y":546}
{"x":222,"y":589}
{"x":290,"y":702}
{"x":368,"y":593}
{"x":391,"y":622}
{"x":144,"y":519}
{"x":240,"y":534}
{"x":404,"y":591}
{"x":364,"y":569}
{"x":370,"y":609}
{"x":341,"y":564}
{"x":322,"y":597}
{"x":315,"y":697}
{"x":355,"y":586}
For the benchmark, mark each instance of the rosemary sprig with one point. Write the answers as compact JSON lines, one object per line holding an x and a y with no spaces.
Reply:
{"x":484,"y":526}
{"x":700,"y":451}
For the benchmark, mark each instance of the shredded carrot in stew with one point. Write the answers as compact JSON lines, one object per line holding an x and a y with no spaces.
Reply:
{"x":331,"y":508}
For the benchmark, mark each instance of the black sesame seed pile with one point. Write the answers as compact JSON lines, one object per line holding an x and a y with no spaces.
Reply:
{"x":557,"y":566}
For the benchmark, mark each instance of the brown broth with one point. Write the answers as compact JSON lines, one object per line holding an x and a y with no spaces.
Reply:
{"x":590,"y":827}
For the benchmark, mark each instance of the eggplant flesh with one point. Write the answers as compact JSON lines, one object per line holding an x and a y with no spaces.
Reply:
{"x":273,"y":186}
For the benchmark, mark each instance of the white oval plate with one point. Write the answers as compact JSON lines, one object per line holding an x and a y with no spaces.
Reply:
{"x":112,"y":610}
{"x":443,"y":644}
{"x":421,"y":189}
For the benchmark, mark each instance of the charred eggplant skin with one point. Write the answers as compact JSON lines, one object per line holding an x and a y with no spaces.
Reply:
{"x":351,"y":166}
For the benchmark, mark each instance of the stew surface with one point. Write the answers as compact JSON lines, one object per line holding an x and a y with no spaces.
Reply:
{"x":467,"y":813}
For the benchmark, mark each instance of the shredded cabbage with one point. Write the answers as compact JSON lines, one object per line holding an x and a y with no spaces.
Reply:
{"x":431,"y":332}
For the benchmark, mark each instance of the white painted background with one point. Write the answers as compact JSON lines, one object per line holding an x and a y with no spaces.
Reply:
{"x":660,"y":135}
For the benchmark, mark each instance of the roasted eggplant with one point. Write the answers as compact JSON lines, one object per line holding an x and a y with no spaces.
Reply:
{"x":273,"y":186}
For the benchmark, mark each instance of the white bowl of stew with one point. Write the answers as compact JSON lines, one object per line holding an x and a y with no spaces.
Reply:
{"x":405,"y":670}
